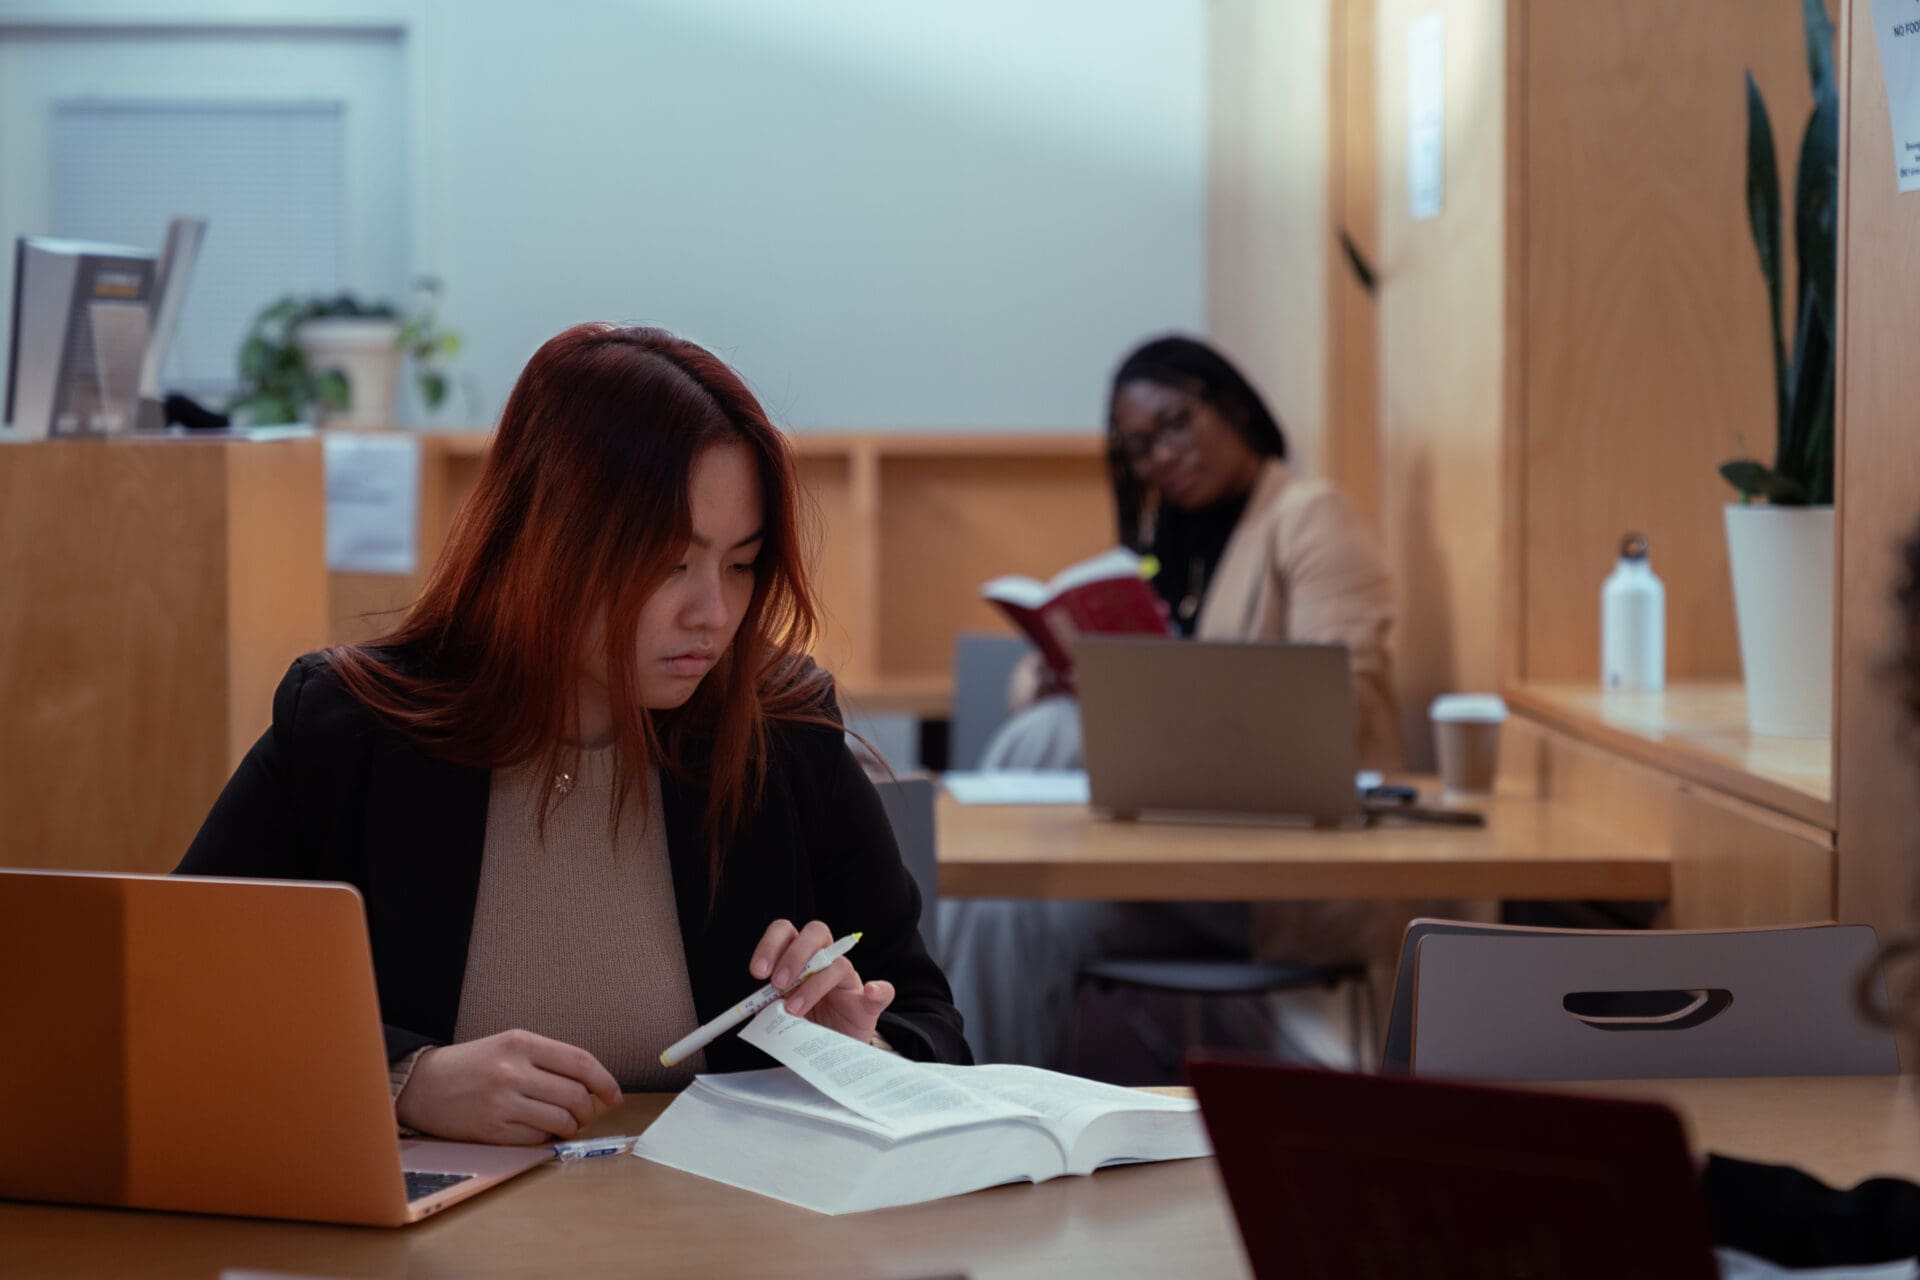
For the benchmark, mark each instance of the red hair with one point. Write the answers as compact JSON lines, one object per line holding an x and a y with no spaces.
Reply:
{"x":582,"y":504}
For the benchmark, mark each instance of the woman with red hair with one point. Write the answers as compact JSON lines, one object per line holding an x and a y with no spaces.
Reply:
{"x":591,"y":783}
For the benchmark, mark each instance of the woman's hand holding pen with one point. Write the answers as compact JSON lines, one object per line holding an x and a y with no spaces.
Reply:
{"x":835,"y":997}
{"x":515,"y":1087}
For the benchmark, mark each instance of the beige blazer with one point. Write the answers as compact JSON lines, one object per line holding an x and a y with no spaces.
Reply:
{"x":1301,"y":566}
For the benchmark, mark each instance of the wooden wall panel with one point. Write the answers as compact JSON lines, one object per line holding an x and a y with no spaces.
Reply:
{"x":1877,"y":773}
{"x":1644,"y":333}
{"x":1442,"y":365}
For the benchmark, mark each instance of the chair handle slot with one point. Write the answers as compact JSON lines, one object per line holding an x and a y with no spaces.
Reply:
{"x":1659,"y":1010}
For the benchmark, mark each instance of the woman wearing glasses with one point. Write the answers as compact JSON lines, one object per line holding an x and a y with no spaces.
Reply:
{"x":1246,"y":550}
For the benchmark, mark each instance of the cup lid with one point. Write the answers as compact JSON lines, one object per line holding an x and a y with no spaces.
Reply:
{"x":1474,"y":708}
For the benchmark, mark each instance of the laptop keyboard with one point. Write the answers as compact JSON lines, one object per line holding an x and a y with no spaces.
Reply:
{"x":420,"y":1185}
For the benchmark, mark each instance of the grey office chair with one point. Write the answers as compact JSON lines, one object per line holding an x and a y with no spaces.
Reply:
{"x":1534,"y":1004}
{"x":909,"y":806}
{"x":1396,"y":1051}
{"x":1197,"y":979}
{"x":983,"y":665}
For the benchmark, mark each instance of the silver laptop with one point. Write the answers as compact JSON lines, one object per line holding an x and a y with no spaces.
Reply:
{"x":208,"y":1045}
{"x":1191,"y":727}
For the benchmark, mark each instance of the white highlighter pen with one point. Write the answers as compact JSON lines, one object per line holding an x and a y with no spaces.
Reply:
{"x":587,"y":1148}
{"x":688,"y":1045}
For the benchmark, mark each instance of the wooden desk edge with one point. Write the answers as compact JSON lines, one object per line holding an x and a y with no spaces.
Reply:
{"x":1673,"y":757}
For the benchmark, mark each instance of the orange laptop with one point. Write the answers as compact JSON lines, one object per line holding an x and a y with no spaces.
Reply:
{"x":207,"y":1045}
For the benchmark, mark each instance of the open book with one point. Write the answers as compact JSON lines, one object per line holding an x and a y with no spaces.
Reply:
{"x":1106,"y":595}
{"x":845,"y":1127}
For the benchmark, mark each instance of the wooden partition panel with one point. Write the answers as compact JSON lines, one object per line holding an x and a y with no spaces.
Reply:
{"x":151,"y":595}
{"x":1734,"y":863}
{"x":1442,"y":365}
{"x":1644,"y":333}
{"x":1877,"y":773}
{"x":1353,"y":447}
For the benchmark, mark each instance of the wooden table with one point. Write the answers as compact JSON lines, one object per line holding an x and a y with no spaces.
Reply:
{"x":618,"y":1216}
{"x":1530,"y":848}
{"x":1838,"y":1128}
{"x":624,"y":1217}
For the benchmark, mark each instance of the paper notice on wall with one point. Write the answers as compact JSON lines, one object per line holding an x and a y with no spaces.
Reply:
{"x":1426,"y":115}
{"x":373,"y":503}
{"x":1896,"y":28}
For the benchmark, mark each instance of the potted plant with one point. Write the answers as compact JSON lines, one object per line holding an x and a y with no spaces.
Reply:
{"x":338,"y":359}
{"x":1780,"y":532}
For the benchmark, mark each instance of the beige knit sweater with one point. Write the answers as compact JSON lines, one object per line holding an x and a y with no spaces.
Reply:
{"x":575,"y":933}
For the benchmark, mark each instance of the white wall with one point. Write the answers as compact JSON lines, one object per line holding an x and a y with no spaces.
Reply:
{"x":886,"y":214}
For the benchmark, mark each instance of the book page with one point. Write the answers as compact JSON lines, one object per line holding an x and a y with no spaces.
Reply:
{"x":1015,"y":589}
{"x":1116,"y":562}
{"x":779,"y":1089}
{"x":1017,"y":786}
{"x":908,"y":1097}
{"x":1069,"y":1103}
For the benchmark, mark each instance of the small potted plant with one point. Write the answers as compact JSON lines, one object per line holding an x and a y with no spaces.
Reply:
{"x":1780,"y":532}
{"x":338,"y":359}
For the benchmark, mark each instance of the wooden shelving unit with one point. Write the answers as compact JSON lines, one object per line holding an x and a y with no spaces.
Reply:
{"x":905,"y":526}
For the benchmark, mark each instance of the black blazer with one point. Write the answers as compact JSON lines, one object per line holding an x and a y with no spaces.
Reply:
{"x":330,"y":792}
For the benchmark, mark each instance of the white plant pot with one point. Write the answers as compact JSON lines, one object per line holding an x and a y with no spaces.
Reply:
{"x":1782,"y":561}
{"x":368,"y":353}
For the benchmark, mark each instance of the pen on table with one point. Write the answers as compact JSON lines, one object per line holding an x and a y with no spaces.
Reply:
{"x":688,"y":1045}
{"x":586,"y":1148}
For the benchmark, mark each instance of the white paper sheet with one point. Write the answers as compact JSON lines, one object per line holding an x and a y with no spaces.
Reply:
{"x":1896,"y":29}
{"x":1017,"y":786}
{"x":884,"y":1087}
{"x":373,"y":500}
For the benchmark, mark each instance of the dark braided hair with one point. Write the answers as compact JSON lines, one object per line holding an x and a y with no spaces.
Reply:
{"x":1189,"y":365}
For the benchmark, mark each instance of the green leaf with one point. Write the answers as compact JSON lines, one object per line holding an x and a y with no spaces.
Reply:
{"x":1763,"y":216}
{"x":449,"y":345}
{"x":1815,"y":212}
{"x":1757,"y":481}
{"x":334,"y":391}
{"x":256,"y":358}
{"x":1819,"y":29}
{"x":1806,"y":449}
{"x":433,"y":389}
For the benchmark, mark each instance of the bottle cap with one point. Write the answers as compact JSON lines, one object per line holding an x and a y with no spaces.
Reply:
{"x":1633,"y":547}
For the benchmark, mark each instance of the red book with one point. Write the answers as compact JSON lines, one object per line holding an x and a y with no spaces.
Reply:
{"x":1106,"y":596}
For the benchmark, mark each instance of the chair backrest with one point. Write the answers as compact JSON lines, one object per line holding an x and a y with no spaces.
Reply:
{"x":1396,"y":1051}
{"x":983,"y":665}
{"x":909,"y":805}
{"x":1531,"y":1004}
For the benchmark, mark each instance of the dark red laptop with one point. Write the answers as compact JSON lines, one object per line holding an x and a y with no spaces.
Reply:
{"x":1356,"y":1177}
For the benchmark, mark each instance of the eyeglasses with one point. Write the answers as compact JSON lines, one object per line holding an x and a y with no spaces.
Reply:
{"x":1174,"y":427}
